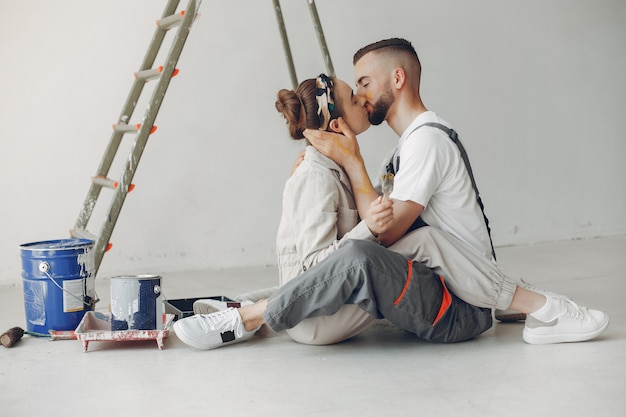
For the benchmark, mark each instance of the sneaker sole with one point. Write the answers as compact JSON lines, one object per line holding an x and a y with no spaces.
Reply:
{"x":545,"y":339}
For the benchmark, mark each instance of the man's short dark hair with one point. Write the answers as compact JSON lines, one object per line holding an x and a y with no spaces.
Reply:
{"x":393,"y":44}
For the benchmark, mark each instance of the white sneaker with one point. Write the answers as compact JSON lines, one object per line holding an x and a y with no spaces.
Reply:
{"x":574,"y":324}
{"x":209,"y":305}
{"x":210,"y":331}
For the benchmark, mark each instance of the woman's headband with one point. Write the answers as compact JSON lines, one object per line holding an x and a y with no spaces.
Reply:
{"x":325,"y":103}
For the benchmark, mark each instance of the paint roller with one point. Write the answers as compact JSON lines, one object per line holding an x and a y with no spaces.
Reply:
{"x":11,"y":336}
{"x":14,"y":334}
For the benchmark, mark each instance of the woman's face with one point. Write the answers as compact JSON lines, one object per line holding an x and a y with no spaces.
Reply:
{"x":353,"y":112}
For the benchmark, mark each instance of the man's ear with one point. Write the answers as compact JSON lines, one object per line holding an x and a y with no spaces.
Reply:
{"x":399,"y":77}
{"x":334,"y":126}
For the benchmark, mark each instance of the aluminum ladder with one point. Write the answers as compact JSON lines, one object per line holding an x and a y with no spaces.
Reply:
{"x":330,"y":70}
{"x":163,"y":74}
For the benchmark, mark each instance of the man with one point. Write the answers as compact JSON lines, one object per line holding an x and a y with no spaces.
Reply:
{"x":432,"y":183}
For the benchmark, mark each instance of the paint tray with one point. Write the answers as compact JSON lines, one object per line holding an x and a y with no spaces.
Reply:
{"x":96,"y":327}
{"x":183,"y":307}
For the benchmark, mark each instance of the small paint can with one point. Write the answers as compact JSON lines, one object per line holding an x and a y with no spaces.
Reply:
{"x":136,"y":302}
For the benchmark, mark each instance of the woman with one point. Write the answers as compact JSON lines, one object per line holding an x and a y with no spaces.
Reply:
{"x":319,"y":211}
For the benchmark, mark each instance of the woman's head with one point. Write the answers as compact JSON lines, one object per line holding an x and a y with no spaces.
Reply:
{"x":317,"y":103}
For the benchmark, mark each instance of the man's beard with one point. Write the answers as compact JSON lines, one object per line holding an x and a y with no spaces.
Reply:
{"x":381,"y":107}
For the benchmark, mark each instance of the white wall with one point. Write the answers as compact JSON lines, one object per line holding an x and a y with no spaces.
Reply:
{"x":536,"y":90}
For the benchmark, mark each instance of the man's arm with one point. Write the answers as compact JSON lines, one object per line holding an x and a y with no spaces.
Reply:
{"x":389,"y":220}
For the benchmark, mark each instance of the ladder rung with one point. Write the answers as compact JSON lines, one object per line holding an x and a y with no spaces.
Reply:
{"x":170,"y":21}
{"x":83,"y":234}
{"x":121,"y":127}
{"x":109,"y":183}
{"x":153,"y":73}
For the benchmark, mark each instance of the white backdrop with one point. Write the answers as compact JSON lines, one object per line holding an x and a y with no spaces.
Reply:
{"x":536,"y":90}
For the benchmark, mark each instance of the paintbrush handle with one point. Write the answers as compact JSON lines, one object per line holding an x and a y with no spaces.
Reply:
{"x":387,"y":186}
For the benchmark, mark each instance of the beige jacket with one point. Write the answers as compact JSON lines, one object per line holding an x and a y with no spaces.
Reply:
{"x":319,"y":215}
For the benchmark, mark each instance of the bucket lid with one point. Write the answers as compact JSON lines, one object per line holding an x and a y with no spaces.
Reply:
{"x":59,"y":244}
{"x":137,"y":277}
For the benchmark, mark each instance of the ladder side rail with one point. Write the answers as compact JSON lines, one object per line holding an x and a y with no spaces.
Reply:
{"x":126,"y":114}
{"x":321,"y":38}
{"x":156,"y":100}
{"x":286,"y":47}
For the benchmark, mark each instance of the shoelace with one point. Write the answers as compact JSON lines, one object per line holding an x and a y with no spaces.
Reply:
{"x":222,"y":321}
{"x":573,"y":310}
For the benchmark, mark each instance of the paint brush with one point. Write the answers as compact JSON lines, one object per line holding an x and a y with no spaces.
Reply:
{"x":387,"y":185}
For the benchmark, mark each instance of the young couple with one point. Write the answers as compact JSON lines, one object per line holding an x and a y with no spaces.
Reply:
{"x":338,"y":275}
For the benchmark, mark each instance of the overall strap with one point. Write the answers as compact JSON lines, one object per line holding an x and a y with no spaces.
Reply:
{"x":455,"y":138}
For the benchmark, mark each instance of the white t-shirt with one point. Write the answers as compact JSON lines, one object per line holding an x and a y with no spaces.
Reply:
{"x":432,"y":173}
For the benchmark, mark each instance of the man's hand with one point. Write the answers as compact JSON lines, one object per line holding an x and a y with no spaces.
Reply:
{"x":342,"y":148}
{"x":379,"y":216}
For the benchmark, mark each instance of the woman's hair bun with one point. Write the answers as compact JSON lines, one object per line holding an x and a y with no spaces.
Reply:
{"x":288,"y":103}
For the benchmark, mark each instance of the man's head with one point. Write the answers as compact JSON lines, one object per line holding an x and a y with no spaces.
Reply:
{"x":393,"y":45}
{"x":382,"y":70}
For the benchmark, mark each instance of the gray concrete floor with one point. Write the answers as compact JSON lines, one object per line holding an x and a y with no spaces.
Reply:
{"x":381,"y":372}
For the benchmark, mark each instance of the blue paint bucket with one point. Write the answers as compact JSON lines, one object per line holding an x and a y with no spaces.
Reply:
{"x":136,"y":302}
{"x":59,"y":283}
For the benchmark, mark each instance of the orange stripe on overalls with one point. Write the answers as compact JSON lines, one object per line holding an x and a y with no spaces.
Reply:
{"x":406,"y":284}
{"x":445,"y":303}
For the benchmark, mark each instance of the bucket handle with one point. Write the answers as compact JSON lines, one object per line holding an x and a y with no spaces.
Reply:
{"x":45,"y":268}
